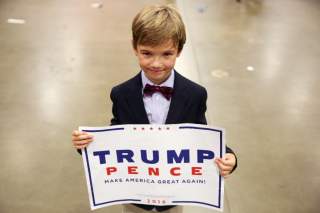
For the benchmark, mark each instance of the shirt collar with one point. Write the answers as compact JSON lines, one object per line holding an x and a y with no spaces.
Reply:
{"x":168,"y":83}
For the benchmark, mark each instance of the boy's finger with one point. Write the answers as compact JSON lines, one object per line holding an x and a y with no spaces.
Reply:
{"x":82,"y":137}
{"x":226,"y":161}
{"x":81,"y":146}
{"x":222,"y":166}
{"x":225,"y":174}
{"x":230,"y":157}
{"x":222,"y":161}
{"x":82,"y":142}
{"x":75,"y":133}
{"x":85,"y":136}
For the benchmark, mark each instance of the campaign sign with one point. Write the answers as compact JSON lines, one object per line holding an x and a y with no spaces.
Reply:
{"x":154,"y":165}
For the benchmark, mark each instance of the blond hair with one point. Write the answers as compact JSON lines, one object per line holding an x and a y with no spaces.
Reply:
{"x":158,"y":24}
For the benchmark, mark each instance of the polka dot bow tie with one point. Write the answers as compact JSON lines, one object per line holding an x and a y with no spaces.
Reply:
{"x":165,"y":91}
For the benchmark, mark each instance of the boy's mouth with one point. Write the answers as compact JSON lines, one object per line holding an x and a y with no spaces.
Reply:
{"x":156,"y":70}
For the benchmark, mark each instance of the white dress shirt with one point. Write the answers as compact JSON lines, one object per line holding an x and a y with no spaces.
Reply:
{"x":157,"y":106}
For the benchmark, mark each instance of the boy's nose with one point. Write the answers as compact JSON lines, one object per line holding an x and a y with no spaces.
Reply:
{"x":156,"y":63}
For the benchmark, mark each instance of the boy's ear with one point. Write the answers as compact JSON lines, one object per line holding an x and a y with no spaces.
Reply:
{"x":134,"y":49}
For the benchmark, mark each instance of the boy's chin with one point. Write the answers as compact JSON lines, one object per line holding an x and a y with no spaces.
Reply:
{"x":158,"y":77}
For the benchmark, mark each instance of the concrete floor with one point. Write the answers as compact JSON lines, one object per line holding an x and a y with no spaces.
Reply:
{"x":56,"y":72}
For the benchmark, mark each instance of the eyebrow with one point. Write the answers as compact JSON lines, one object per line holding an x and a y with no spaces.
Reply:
{"x":165,"y":51}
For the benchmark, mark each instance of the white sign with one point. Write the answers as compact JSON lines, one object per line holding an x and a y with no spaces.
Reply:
{"x":154,"y":165}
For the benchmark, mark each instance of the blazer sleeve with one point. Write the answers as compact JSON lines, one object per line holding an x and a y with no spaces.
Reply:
{"x":203,"y":108}
{"x":113,"y":97}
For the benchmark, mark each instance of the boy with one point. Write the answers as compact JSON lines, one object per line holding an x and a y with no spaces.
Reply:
{"x":158,"y":94}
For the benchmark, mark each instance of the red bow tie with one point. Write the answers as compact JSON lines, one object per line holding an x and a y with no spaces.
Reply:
{"x":165,"y":91}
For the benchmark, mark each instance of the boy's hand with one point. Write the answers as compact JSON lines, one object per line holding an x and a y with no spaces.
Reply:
{"x":226,"y":164}
{"x":80,"y":139}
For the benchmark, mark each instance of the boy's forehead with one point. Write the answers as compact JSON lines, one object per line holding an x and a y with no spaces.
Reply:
{"x":167,"y":45}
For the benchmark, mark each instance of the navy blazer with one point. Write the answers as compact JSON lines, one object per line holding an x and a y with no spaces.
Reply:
{"x":188,"y":102}
{"x":188,"y":105}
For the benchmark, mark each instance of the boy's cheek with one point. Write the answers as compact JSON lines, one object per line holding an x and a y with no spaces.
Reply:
{"x":143,"y":61}
{"x":170,"y":65}
{"x":170,"y":62}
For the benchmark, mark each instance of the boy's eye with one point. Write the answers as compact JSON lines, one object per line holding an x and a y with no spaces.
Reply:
{"x":168,"y":54}
{"x":146,"y":53}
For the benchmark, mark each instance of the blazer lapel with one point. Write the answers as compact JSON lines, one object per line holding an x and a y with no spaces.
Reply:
{"x":178,"y":101}
{"x":135,"y":100}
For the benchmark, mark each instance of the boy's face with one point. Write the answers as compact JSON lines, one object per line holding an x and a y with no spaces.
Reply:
{"x":157,"y":61}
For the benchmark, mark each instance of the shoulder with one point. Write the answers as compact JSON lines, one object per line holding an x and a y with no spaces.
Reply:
{"x":128,"y":86}
{"x":190,"y":87}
